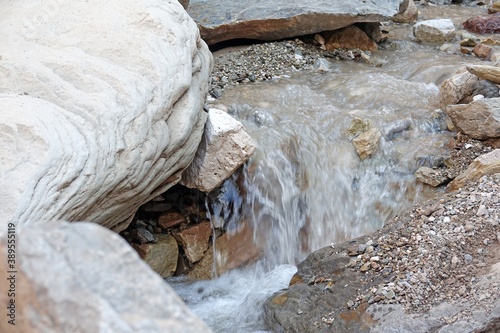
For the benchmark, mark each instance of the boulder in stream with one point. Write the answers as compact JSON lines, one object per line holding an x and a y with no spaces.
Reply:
{"x":81,"y":277}
{"x":436,"y":31}
{"x":224,"y":147}
{"x":459,"y":89}
{"x":101,"y":107}
{"x":479,"y":119}
{"x":277,"y":19}
{"x":486,"y":24}
{"x":367,"y":143}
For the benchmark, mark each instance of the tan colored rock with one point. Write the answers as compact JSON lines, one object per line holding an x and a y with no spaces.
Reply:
{"x":409,"y":14}
{"x":482,"y":51}
{"x":458,"y":89}
{"x":170,"y":219}
{"x":161,"y":256}
{"x":430,"y":176}
{"x":194,"y":240}
{"x":367,"y":143}
{"x":486,"y":164}
{"x":358,"y":126}
{"x":350,"y":37}
{"x":232,"y":249}
{"x":485,"y":72}
{"x":479,"y":119}
{"x":225,"y":146}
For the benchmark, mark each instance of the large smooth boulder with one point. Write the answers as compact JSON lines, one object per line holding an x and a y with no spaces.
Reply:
{"x":276,"y":19}
{"x":225,"y":146}
{"x":436,"y":31}
{"x":100,"y":107}
{"x":479,"y":119}
{"x":486,"y":164}
{"x":81,"y":277}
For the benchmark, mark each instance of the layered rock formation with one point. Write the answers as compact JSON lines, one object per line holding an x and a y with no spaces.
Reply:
{"x":81,"y":277}
{"x":100,"y":107}
{"x":277,"y":19}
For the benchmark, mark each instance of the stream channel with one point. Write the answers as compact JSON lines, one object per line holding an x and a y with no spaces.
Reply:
{"x":305,"y":187}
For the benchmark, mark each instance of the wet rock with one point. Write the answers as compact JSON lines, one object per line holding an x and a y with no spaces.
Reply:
{"x":170,"y":219}
{"x":408,"y":14}
{"x":233,"y":249}
{"x":358,"y":126}
{"x":459,"y":89}
{"x":486,"y":24}
{"x":486,"y":164}
{"x":367,"y":143}
{"x":396,"y":127}
{"x":161,"y":256}
{"x":194,"y":240}
{"x":273,"y":20}
{"x":81,"y":277}
{"x":479,"y":119}
{"x":482,"y":51}
{"x":321,"y":66}
{"x":430,"y":176}
{"x":92,"y":105}
{"x":437,"y":31}
{"x":142,"y":236}
{"x":491,"y":73}
{"x":350,"y":37}
{"x":224,"y":147}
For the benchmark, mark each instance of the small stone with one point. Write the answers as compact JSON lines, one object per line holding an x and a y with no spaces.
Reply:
{"x":142,"y":236}
{"x":468,"y":258}
{"x":390,"y":295}
{"x":366,"y":266}
{"x":350,"y":304}
{"x":481,"y":211}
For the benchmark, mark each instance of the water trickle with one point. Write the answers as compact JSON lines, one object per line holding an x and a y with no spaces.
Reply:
{"x":306,"y":187}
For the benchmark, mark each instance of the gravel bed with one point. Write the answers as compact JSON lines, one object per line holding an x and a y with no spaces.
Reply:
{"x":436,"y":252}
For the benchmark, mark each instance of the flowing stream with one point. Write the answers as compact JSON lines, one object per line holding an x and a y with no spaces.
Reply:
{"x":305,"y":187}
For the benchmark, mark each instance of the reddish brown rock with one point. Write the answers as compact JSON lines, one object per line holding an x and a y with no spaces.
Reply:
{"x":170,"y":219}
{"x":194,"y":240}
{"x":232,"y":250}
{"x":482,"y":51}
{"x":350,"y":37}
{"x":487,"y":24}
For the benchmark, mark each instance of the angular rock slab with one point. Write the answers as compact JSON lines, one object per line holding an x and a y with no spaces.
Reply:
{"x":458,"y":89}
{"x":437,"y":31}
{"x":224,"y":147}
{"x":276,"y":19}
{"x":100,"y":107}
{"x":81,"y":277}
{"x":479,"y":119}
{"x":486,"y":164}
{"x":160,"y":256}
{"x":367,"y":143}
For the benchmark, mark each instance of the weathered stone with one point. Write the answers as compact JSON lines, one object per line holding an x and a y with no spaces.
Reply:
{"x":407,"y":15}
{"x":486,"y":164}
{"x":321,"y":66}
{"x":170,"y":220}
{"x":194,"y":240}
{"x":367,"y":143}
{"x":437,"y":31}
{"x":468,"y":42}
{"x":479,"y":119}
{"x":485,"y":72}
{"x":430,"y":176}
{"x":100,"y":107}
{"x":161,"y":256}
{"x":278,"y":19}
{"x":81,"y":277}
{"x":224,"y":147}
{"x":142,"y":236}
{"x":482,"y":51}
{"x":458,"y":89}
{"x":350,"y":37}
{"x":486,"y":24}
{"x":494,"y":8}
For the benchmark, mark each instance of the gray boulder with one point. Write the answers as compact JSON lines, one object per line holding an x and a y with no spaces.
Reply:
{"x":437,"y":31}
{"x":276,"y":19}
{"x":82,"y":277}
